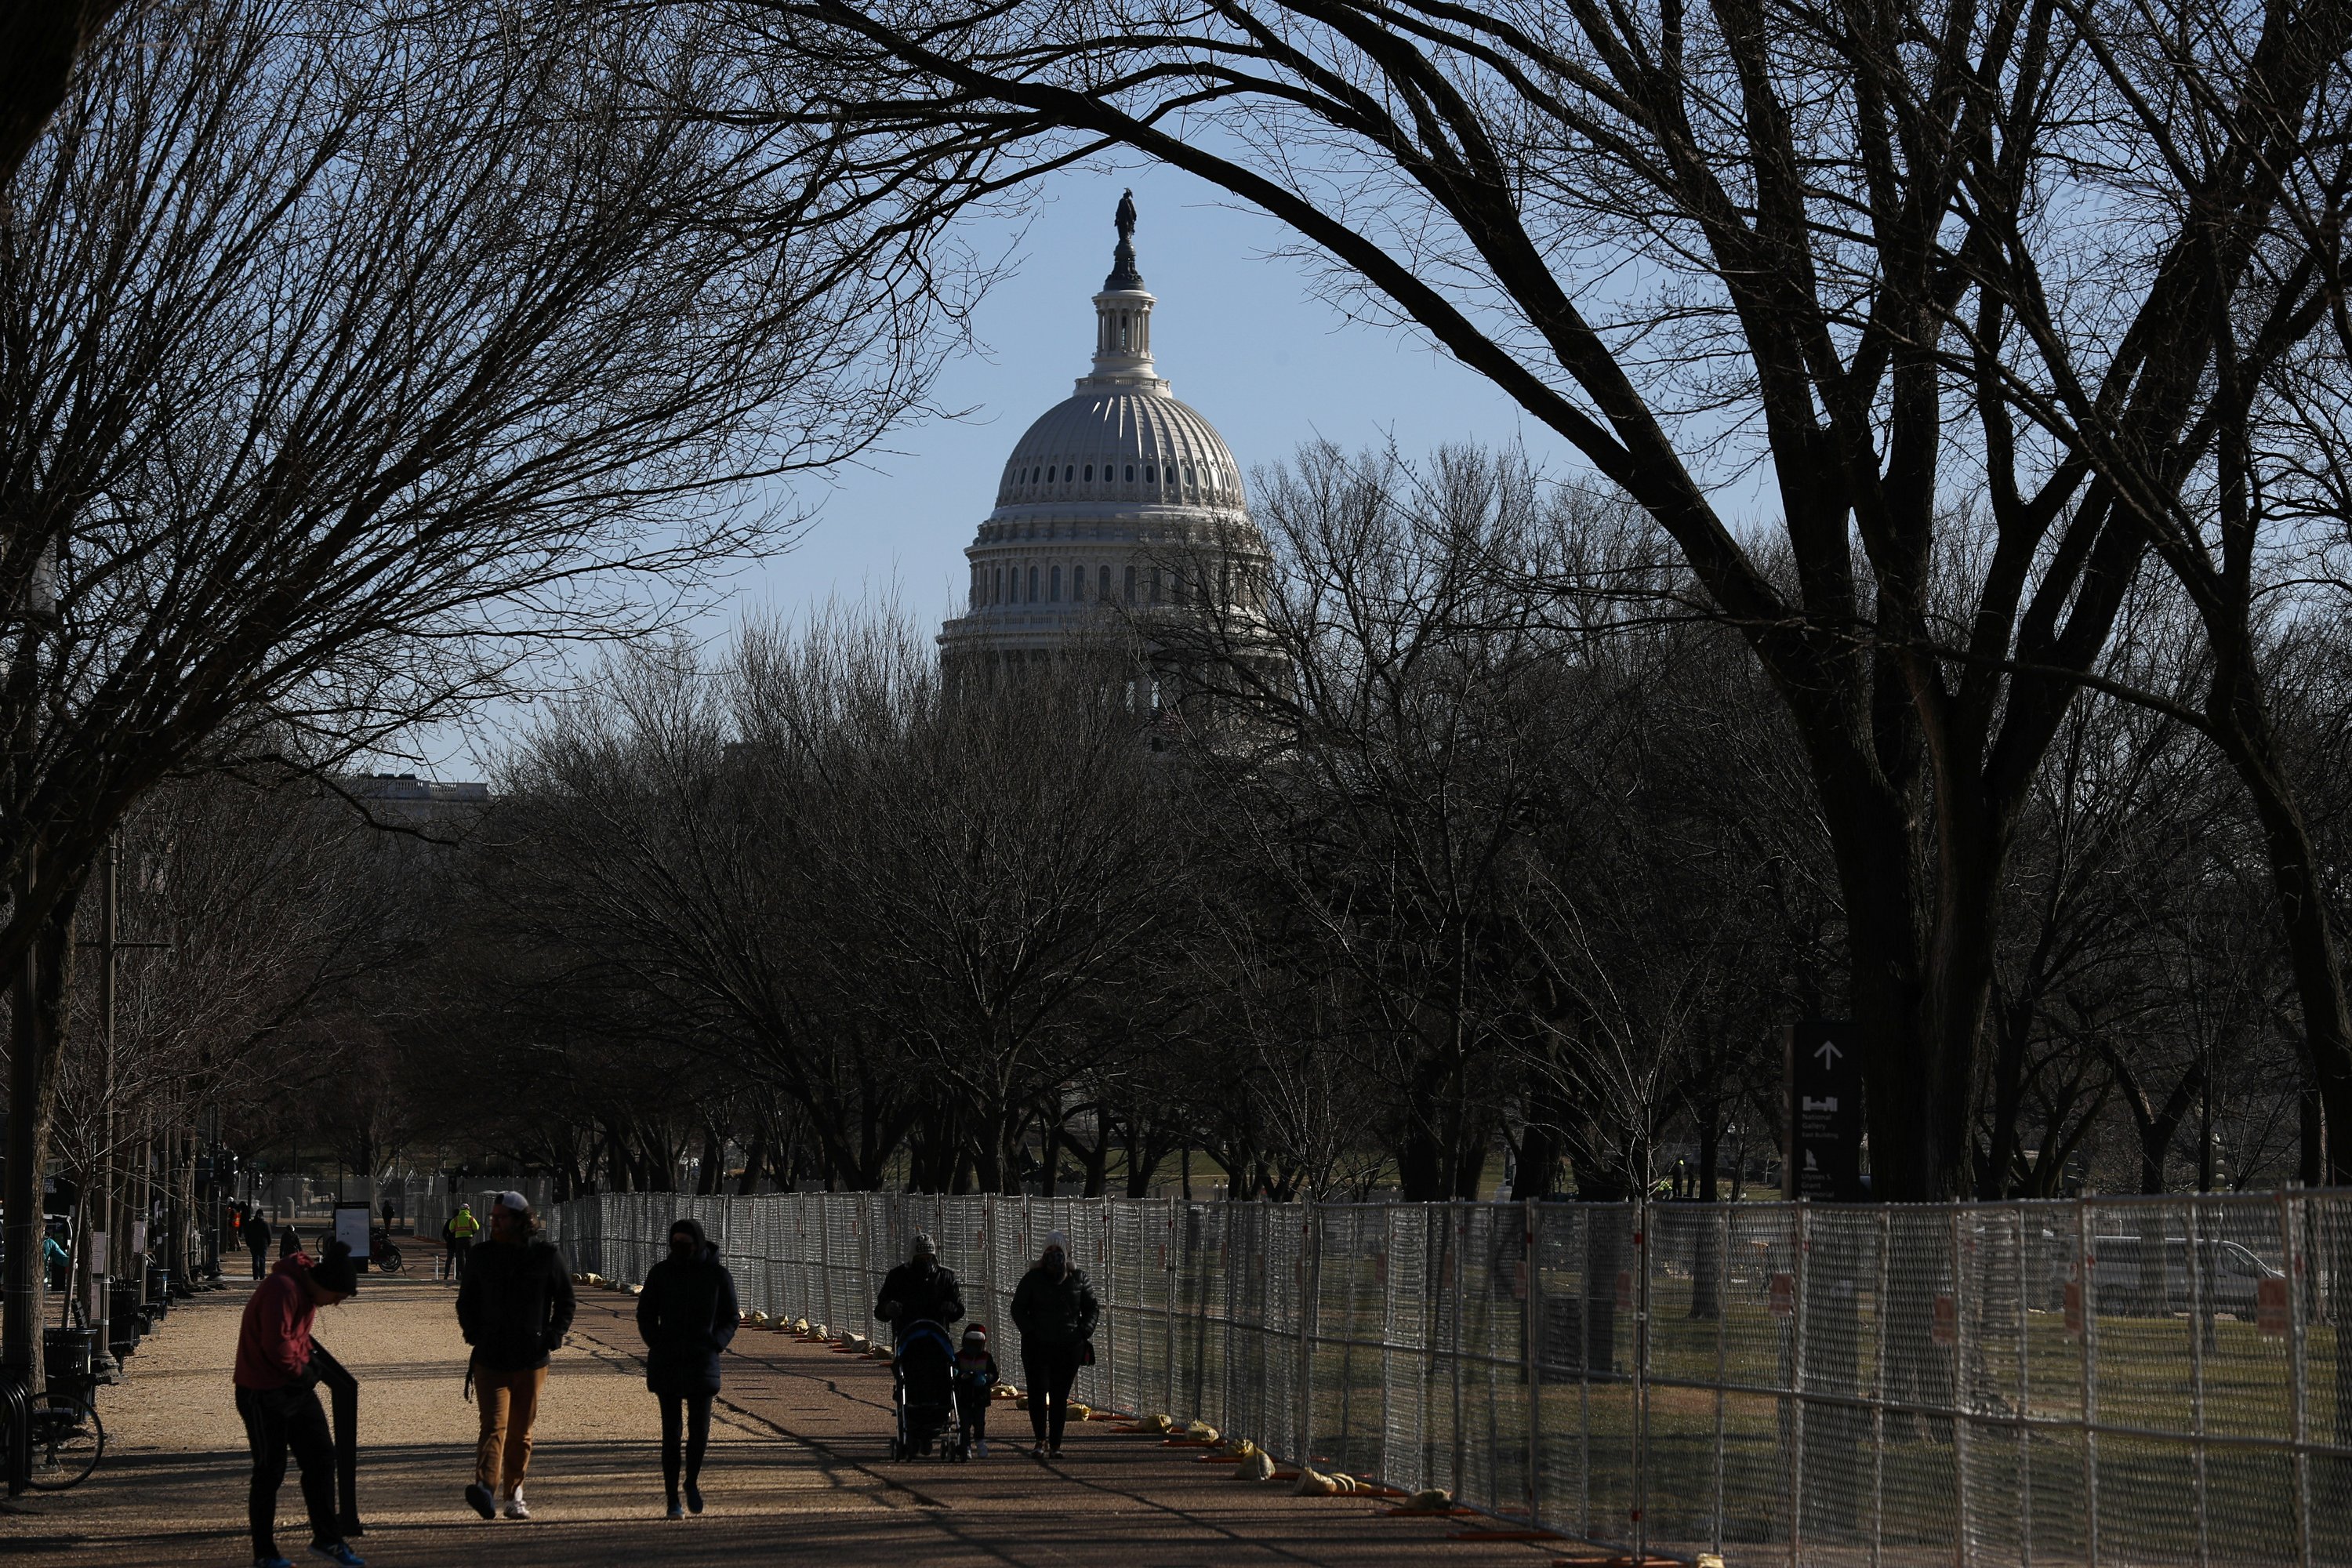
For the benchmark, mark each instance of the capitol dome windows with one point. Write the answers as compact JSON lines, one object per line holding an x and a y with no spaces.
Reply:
{"x":1033,"y":585}
{"x":1131,"y":473}
{"x":1054,"y":587}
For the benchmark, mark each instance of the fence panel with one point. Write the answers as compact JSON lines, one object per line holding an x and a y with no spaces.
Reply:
{"x":2096,"y":1381}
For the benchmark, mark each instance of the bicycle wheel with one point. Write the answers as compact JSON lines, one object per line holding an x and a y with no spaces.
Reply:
{"x":387,"y":1258}
{"x":68,"y":1440}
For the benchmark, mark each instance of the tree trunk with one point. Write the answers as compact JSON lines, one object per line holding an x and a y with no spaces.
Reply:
{"x":711,"y":1176}
{"x":753,"y":1162}
{"x":1706,"y":1282}
{"x":2311,"y":1167}
{"x":37,"y":1036}
{"x":1539,"y":1145}
{"x":2299,"y":889}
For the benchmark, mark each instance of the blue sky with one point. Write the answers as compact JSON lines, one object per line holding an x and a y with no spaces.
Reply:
{"x":1238,"y":334}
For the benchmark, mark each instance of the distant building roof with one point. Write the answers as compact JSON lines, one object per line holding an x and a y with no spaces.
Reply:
{"x":407,"y":787}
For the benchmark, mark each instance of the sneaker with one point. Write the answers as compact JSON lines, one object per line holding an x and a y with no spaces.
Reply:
{"x":339,"y":1553}
{"x":676,"y":1511}
{"x":516,"y":1508}
{"x":1036,"y":1451}
{"x":980,"y":1448}
{"x":478,"y":1499}
{"x":693,"y":1497}
{"x":1052,"y":1453}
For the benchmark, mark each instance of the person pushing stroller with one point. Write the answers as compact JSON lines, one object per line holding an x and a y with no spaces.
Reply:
{"x":919,"y":1291}
{"x":922,"y":1302}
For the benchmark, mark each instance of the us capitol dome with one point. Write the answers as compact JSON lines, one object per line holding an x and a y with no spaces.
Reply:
{"x":1119,"y":505}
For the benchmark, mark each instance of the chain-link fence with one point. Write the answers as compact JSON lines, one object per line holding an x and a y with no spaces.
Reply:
{"x":2105,"y":1382}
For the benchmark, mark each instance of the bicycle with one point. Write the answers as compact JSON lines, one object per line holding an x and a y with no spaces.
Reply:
{"x":68,"y":1438}
{"x":382,"y":1253}
{"x":383,"y":1256}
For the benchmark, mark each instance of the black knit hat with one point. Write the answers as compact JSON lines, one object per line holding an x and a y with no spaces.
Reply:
{"x":336,"y":1272}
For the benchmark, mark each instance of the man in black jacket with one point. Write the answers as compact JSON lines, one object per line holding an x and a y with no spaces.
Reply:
{"x":515,"y":1306}
{"x":919,"y":1291}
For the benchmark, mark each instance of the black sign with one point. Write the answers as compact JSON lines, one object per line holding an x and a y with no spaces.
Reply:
{"x":1824,"y":1076}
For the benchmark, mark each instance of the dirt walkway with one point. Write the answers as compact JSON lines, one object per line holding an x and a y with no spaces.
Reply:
{"x":797,"y":1469}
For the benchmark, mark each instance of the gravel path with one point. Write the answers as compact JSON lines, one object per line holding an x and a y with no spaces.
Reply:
{"x":797,"y":1469}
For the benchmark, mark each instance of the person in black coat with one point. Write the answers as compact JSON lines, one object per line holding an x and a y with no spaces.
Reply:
{"x":514,"y":1307}
{"x":1054,"y":1307}
{"x":919,"y":1291}
{"x":687,"y":1314}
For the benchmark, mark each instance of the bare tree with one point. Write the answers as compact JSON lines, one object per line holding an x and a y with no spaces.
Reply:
{"x":347,"y":359}
{"x":1850,"y":246}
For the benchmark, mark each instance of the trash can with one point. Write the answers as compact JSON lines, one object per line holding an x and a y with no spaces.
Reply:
{"x":66,"y":1356}
{"x":122,"y":1317}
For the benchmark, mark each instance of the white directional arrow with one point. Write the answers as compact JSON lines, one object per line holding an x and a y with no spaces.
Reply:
{"x":1829,"y":1053}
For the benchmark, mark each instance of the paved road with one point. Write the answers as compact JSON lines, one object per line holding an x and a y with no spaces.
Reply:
{"x":797,"y":1471}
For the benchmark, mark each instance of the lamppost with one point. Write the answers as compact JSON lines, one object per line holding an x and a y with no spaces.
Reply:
{"x":20,"y":1191}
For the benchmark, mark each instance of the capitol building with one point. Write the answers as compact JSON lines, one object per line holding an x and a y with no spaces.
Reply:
{"x":1120,"y":506}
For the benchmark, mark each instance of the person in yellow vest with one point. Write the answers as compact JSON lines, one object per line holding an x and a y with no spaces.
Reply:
{"x":459,"y":1233}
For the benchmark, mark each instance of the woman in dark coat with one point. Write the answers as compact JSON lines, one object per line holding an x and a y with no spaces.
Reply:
{"x":686,"y":1314}
{"x":1053,"y":1308}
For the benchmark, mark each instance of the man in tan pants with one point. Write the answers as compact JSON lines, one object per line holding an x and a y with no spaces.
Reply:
{"x":515,"y":1306}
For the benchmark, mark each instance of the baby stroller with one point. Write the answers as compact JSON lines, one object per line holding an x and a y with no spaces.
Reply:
{"x":922,"y":1366}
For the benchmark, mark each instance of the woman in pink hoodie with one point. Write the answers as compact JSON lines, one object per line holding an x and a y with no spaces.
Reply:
{"x":276,"y":1396}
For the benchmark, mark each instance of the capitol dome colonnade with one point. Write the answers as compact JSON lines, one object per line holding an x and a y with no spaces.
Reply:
{"x":1119,"y":505}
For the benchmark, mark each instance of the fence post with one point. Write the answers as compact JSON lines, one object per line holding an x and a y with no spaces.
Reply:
{"x":2087,"y":1270}
{"x":1531,"y":1303}
{"x":1585,"y":1378}
{"x":1171,"y":1265}
{"x":1799,"y":1281}
{"x":1311,"y":1300}
{"x":1963,"y":1239}
{"x":1388,"y":1322}
{"x":1641,"y":1376}
{"x":1878,"y":1388}
{"x":2291,"y":1255}
{"x":1458,"y":1246}
{"x":2199,"y":1307}
{"x":1722,"y":1359}
{"x":2024,"y":1399}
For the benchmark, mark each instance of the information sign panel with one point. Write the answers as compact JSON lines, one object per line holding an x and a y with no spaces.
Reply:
{"x":1823,"y":1066}
{"x":351,"y":1222}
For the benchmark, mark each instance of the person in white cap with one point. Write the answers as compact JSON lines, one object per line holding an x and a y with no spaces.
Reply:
{"x":1053,"y":1308}
{"x":515,"y":1307}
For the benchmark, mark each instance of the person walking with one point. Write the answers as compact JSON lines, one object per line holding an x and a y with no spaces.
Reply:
{"x":1055,"y":1308}
{"x":919,"y":1291}
{"x":277,"y":1397}
{"x":458,"y":1232}
{"x":514,"y":1306}
{"x":975,"y":1385}
{"x":686,"y":1314}
{"x":257,"y":1241}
